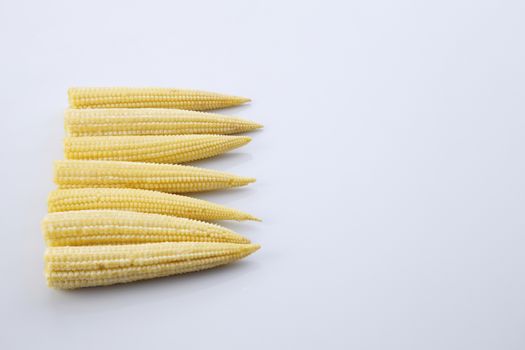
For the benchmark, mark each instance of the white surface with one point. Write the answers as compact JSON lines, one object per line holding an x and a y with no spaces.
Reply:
{"x":390,"y":172}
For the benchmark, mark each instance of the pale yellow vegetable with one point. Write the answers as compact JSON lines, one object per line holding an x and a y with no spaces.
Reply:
{"x":126,"y":97}
{"x":141,"y":201}
{"x":158,"y":149}
{"x":150,"y":176}
{"x":151,"y":121}
{"x":87,"y":266}
{"x":100,"y":227}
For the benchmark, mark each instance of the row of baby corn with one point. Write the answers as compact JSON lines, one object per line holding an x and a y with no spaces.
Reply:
{"x":115,"y":216}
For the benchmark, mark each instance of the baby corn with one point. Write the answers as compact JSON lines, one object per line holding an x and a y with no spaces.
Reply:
{"x":123,"y":97}
{"x":149,"y":176}
{"x":100,"y":227}
{"x":87,"y":266}
{"x":151,"y":121}
{"x":158,"y":149}
{"x":141,"y":201}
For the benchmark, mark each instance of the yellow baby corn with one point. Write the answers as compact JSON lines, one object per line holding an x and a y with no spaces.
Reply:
{"x":141,"y":201}
{"x":100,"y":227}
{"x":87,"y":266}
{"x":151,"y":121}
{"x":149,"y":176}
{"x":125,"y":97}
{"x":159,"y":149}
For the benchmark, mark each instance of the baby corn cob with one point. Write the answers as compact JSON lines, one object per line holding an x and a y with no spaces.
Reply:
{"x":122,"y":97}
{"x":159,"y":149}
{"x":87,"y":266}
{"x":149,"y":176}
{"x":141,"y":201}
{"x":151,"y":121}
{"x":100,"y":227}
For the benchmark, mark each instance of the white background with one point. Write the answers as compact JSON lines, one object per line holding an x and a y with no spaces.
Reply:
{"x":391,"y":174}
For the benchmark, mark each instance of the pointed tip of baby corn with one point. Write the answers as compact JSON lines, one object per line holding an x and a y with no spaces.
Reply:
{"x":246,"y":249}
{"x":229,"y":236}
{"x":250,"y":217}
{"x":237,"y":100}
{"x":249,"y":125}
{"x":233,"y":142}
{"x":257,"y":126}
{"x":252,"y":248}
{"x":242,"y":181}
{"x":238,"y":141}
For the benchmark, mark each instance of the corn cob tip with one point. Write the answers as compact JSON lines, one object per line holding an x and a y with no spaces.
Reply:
{"x":252,"y":248}
{"x":236,"y":100}
{"x":242,"y":140}
{"x":246,"y":180}
{"x":252,"y":218}
{"x":251,"y":125}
